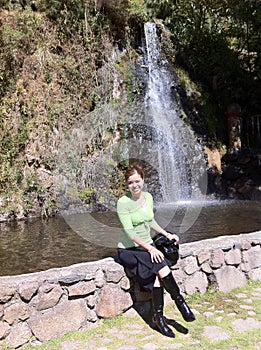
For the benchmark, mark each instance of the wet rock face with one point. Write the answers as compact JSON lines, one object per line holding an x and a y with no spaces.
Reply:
{"x":242,"y":175}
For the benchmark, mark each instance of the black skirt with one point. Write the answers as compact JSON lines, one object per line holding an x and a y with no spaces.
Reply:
{"x":139,"y":263}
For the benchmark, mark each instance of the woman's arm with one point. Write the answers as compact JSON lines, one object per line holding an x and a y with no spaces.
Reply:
{"x":155,"y":254}
{"x":125,"y":219}
{"x":156,"y":227}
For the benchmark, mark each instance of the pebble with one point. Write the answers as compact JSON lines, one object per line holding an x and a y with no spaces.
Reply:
{"x":246,"y":307}
{"x":241,"y":296}
{"x":241,"y":325}
{"x":214,"y":333}
{"x":251,"y":313}
{"x":70,"y":345}
{"x":150,"y":346}
{"x":256,"y":294}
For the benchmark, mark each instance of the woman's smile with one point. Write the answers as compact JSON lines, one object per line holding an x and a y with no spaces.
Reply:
{"x":135,"y":185}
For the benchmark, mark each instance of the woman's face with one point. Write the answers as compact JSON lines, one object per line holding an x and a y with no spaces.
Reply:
{"x":135,"y":185}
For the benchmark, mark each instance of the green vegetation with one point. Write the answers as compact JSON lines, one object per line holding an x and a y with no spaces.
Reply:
{"x":218,"y":44}
{"x":61,"y":62}
{"x":87,"y":195}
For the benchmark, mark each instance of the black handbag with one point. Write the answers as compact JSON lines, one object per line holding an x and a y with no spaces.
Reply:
{"x":167,"y":247}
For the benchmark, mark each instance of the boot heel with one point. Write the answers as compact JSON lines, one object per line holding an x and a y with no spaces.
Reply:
{"x":160,"y":322}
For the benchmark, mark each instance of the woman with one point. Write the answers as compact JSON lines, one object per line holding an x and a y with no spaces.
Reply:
{"x":138,"y":253}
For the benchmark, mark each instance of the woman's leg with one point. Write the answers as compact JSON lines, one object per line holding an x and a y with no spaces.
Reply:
{"x":165,"y":271}
{"x":171,"y":286}
{"x":158,"y":305}
{"x":158,"y":319}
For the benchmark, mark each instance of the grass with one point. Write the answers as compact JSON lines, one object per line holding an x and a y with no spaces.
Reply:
{"x":212,"y":309}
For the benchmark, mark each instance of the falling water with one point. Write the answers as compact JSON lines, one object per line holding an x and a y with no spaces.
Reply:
{"x":180,"y":162}
{"x":151,"y":132}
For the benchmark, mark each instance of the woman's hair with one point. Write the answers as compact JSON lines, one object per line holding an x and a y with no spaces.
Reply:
{"x":133,"y":170}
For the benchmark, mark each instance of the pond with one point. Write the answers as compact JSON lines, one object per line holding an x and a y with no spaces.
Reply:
{"x":37,"y":244}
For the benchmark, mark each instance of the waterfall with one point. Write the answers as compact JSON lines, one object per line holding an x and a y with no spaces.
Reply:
{"x":180,"y":162}
{"x":150,"y":131}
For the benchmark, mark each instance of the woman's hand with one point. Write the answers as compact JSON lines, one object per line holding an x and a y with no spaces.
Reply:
{"x":156,"y":255}
{"x":172,"y":236}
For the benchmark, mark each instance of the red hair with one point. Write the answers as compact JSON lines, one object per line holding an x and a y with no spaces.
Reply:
{"x":133,"y":170}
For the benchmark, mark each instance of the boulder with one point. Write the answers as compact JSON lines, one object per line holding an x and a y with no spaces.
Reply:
{"x":198,"y":282}
{"x":4,"y":328}
{"x":19,"y":335}
{"x":253,"y":257}
{"x":112,"y":302}
{"x":233,"y":257}
{"x":217,"y":258}
{"x":229,"y":277}
{"x":27,"y":290}
{"x":49,"y":297}
{"x":63,"y":318}
{"x":6,"y":293}
{"x":15,"y":312}
{"x":81,"y":289}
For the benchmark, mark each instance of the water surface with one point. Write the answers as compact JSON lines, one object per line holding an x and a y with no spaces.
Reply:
{"x":39,"y":244}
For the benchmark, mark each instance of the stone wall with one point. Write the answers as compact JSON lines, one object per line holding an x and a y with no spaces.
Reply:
{"x":41,"y":306}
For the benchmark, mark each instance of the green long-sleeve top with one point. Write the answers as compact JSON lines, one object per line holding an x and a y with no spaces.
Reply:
{"x":135,"y":220}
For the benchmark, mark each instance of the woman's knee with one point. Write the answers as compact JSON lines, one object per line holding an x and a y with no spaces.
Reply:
{"x":164,"y":272}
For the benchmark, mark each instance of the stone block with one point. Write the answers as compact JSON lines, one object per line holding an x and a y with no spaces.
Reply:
{"x":15,"y":312}
{"x":125,"y":283}
{"x":99,"y":278}
{"x":48,"y":298}
{"x":19,"y":335}
{"x":233,"y":257}
{"x":91,"y":316}
{"x":179,"y":276}
{"x":70,"y":279}
{"x":6,"y":293}
{"x":203,"y":256}
{"x":217,"y":258}
{"x":205,"y":267}
{"x":1,"y":311}
{"x":91,"y":301}
{"x":245,"y":244}
{"x":4,"y":328}
{"x":255,"y":275}
{"x":114,"y":274}
{"x":82,"y":288}
{"x":27,"y":290}
{"x":253,"y":257}
{"x":245,"y":267}
{"x":112,"y":301}
{"x":198,"y":282}
{"x":190,"y":265}
{"x":229,"y":277}
{"x":63,"y":318}
{"x":90,"y":275}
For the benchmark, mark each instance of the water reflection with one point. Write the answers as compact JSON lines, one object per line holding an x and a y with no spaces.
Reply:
{"x":37,"y":244}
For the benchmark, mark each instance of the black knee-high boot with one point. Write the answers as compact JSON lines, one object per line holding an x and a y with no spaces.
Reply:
{"x":158,"y":318}
{"x":171,"y":286}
